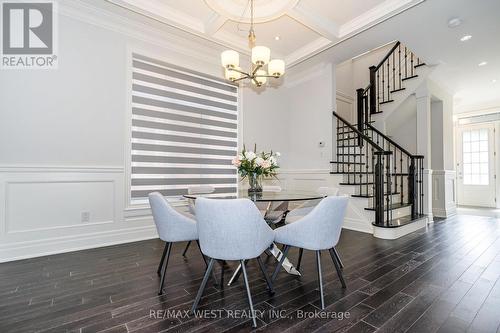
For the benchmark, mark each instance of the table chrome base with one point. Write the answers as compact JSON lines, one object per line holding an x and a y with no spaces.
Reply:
{"x":276,"y":252}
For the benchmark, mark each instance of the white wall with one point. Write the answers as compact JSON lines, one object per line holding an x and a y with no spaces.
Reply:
{"x":354,"y":73}
{"x":293,"y":118}
{"x":265,"y":121}
{"x":64,"y":139}
{"x":311,"y":103}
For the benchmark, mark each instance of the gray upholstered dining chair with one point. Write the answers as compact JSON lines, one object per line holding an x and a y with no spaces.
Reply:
{"x":198,"y":189}
{"x":232,"y":229}
{"x":172,"y":226}
{"x":304,"y":209}
{"x":319,"y":230}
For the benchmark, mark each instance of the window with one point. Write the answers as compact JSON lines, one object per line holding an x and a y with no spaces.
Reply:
{"x":475,"y":157}
{"x":184,"y":130}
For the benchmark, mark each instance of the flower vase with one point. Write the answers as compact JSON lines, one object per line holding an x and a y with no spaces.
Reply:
{"x":255,"y":182}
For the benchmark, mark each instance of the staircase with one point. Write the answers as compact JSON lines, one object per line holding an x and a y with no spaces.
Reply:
{"x":380,"y":171}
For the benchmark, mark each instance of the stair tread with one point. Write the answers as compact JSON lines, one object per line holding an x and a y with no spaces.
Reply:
{"x":372,"y":195}
{"x":396,"y":90}
{"x":393,"y":206}
{"x":347,"y":162}
{"x":409,"y":77}
{"x":385,"y":102}
{"x":401,"y":221}
{"x":353,"y":154}
{"x":422,"y":64}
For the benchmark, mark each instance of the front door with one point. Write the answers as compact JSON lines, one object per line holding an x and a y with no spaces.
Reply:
{"x":476,"y":165}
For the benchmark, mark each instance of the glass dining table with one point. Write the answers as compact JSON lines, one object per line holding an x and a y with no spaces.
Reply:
{"x":274,"y":202}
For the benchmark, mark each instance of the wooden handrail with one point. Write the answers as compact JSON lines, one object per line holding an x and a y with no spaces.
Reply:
{"x":387,"y":55}
{"x":363,"y":136}
{"x":390,"y":141}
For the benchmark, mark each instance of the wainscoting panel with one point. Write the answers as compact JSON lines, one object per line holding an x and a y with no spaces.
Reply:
{"x":36,"y":206}
{"x":46,"y":210}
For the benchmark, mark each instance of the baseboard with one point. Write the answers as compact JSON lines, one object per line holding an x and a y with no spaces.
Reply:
{"x":445,"y":213}
{"x":355,"y":225}
{"x":394,"y":233}
{"x":38,"y":248}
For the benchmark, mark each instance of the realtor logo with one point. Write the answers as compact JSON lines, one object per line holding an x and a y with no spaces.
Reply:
{"x":28,"y":35}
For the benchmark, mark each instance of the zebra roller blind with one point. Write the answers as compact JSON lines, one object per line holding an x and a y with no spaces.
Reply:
{"x":184,"y":130}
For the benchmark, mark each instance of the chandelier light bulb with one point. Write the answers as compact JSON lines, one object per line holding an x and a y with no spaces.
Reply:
{"x":276,"y":67}
{"x":230,"y":59}
{"x":261,"y":55}
{"x":232,"y":75}
{"x":260,"y":80}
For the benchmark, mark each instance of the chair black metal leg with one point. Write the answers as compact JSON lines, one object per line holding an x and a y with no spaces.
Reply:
{"x":162,"y":259}
{"x":222,"y":269}
{"x":206,"y":264}
{"x":337,"y":267}
{"x":338,"y":257}
{"x":283,"y":256}
{"x":320,"y":279}
{"x":301,"y":250}
{"x":203,"y":285}
{"x":164,"y":271}
{"x":238,"y":273}
{"x":268,"y":281}
{"x":252,"y":313}
{"x":186,"y":249}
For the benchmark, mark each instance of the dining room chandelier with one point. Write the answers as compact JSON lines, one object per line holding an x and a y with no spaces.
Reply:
{"x":260,"y":58}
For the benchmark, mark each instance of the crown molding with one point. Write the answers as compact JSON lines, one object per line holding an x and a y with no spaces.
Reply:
{"x":376,"y":15}
{"x":302,"y":53}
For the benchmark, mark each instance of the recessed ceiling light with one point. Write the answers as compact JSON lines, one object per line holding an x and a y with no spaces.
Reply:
{"x":482,"y":63}
{"x":465,"y":38}
{"x":277,"y":37}
{"x":454,"y":22}
{"x":494,"y":81}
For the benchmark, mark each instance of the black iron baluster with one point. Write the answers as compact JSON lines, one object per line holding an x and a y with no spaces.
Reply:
{"x":411,"y":61}
{"x":378,"y":92}
{"x":399,"y":68}
{"x":412,"y":188}
{"x":388,"y":80}
{"x":393,"y":70}
{"x":373,"y":178}
{"x":401,"y":177}
{"x":406,"y":63}
{"x":373,"y":89}
{"x":379,"y":189}
{"x":421,"y":186}
{"x":383,"y":84}
{"x":388,"y":197}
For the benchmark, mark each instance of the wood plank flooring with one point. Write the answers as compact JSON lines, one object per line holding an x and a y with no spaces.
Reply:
{"x":446,"y":279}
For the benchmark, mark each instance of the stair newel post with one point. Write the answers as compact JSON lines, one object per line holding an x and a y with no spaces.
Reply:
{"x":379,"y":188}
{"x":361,"y":122}
{"x":373,"y":89}
{"x":388,"y":195}
{"x":412,"y":188}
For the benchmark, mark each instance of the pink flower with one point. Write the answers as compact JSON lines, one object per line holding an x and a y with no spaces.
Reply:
{"x":236,"y":161}
{"x":266,"y":164}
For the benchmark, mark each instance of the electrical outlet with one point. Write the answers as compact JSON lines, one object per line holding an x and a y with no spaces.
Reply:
{"x":85,"y":217}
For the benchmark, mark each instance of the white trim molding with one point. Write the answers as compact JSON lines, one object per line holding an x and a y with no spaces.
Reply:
{"x":54,"y":209}
{"x":443,"y":193}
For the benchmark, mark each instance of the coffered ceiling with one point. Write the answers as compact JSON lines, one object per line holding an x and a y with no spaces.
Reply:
{"x":293,"y":29}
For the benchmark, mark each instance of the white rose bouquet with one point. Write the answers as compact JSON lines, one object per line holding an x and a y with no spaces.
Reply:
{"x":256,"y":165}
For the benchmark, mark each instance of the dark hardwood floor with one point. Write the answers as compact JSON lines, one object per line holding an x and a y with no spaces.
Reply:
{"x":442,"y":280}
